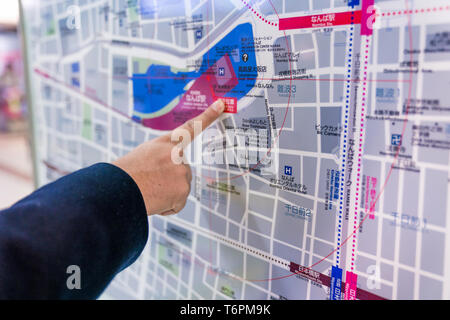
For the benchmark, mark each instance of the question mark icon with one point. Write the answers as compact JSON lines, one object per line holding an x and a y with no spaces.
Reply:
{"x":73,"y":19}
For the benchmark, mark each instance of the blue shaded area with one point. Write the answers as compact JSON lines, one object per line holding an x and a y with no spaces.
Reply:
{"x":336,"y":283}
{"x":76,"y":82}
{"x":147,"y":9}
{"x":159,"y":85}
{"x":353,"y":3}
{"x":75,"y":67}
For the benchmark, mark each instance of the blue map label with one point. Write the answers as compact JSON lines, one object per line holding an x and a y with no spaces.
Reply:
{"x":336,"y":283}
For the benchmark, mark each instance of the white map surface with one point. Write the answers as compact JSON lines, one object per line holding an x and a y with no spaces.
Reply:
{"x":357,"y":122}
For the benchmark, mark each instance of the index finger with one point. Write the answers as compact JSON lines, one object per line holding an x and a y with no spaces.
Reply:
{"x":205,"y":119}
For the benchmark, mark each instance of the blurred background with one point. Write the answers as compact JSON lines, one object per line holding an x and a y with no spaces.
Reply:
{"x":15,"y":158}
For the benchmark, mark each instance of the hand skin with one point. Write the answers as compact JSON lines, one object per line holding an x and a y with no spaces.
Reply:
{"x":165,"y":185}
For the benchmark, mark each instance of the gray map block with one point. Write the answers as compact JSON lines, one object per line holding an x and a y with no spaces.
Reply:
{"x":186,"y":265}
{"x":231,"y":260}
{"x":340,"y":46}
{"x":206,"y":248}
{"x":434,"y":154}
{"x":405,"y":284}
{"x":321,"y":4}
{"x":322,"y":249}
{"x":179,"y":234}
{"x":435,"y":198}
{"x":258,"y":242}
{"x":261,"y":205}
{"x":120,"y":90}
{"x":295,"y":91}
{"x":325,"y":224}
{"x":273,"y":7}
{"x":435,"y":88}
{"x":391,"y":192}
{"x":287,"y":253}
{"x":309,"y":174}
{"x":304,"y":136}
{"x":260,"y":186}
{"x":408,"y":247}
{"x":171,"y":9}
{"x":213,"y":222}
{"x":325,"y":166}
{"x":338,"y":88}
{"x":287,"y":228}
{"x":238,"y":202}
{"x":410,"y":192}
{"x":303,"y":42}
{"x":330,"y":117}
{"x":363,"y":264}
{"x":148,"y":30}
{"x":388,"y":45}
{"x":283,"y":117}
{"x":221,"y":10}
{"x":323,"y":48}
{"x":281,"y":61}
{"x":307,"y":61}
{"x":433,"y":245}
{"x":251,"y":293}
{"x":435,"y":43}
{"x":257,"y":269}
{"x":259,"y":225}
{"x":165,"y":31}
{"x":233,"y":231}
{"x":430,"y":289}
{"x":367,"y":239}
{"x":101,"y":135}
{"x":294,"y":6}
{"x":324,"y":87}
{"x":374,"y":137}
{"x":388,"y":92}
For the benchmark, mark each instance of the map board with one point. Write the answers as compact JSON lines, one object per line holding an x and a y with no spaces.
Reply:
{"x":348,"y":99}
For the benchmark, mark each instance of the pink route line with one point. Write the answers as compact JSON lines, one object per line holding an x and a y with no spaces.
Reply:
{"x":360,"y":147}
{"x":416,"y":11}
{"x":260,"y":16}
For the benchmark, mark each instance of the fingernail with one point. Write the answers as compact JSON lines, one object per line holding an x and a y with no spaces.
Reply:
{"x":219,"y":106}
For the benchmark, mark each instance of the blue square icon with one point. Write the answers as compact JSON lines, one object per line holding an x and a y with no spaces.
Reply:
{"x":396,"y":139}
{"x":221,"y":71}
{"x":288,"y":170}
{"x":199,"y":34}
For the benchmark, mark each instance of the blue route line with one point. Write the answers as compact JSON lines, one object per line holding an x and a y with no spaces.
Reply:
{"x":344,"y":149}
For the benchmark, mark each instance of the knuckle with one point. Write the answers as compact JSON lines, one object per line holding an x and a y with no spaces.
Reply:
{"x":190,"y":124}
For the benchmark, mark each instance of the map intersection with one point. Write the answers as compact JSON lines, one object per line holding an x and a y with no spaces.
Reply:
{"x":348,"y":99}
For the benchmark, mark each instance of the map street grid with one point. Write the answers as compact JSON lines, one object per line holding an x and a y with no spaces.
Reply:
{"x":349,"y":97}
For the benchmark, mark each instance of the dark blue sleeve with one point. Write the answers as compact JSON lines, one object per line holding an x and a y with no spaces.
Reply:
{"x":94,"y":218}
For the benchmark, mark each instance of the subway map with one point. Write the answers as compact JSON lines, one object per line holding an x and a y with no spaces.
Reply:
{"x":331,"y":164}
